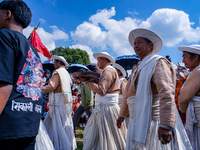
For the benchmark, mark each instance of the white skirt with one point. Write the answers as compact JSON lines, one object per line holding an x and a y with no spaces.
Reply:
{"x":60,"y":125}
{"x":153,"y":143}
{"x":101,"y":132}
{"x":43,"y":141}
{"x":196,"y":134}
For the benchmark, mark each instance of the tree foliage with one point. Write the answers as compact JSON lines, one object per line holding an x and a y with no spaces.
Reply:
{"x":72,"y":56}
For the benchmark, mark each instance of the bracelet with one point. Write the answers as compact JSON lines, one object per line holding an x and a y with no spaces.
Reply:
{"x":121,"y":116}
{"x":165,"y":127}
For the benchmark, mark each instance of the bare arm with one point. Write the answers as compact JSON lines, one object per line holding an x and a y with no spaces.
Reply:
{"x":53,"y":84}
{"x":189,"y":89}
{"x":5,"y":90}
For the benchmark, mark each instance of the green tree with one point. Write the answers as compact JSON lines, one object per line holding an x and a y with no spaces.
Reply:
{"x":72,"y":56}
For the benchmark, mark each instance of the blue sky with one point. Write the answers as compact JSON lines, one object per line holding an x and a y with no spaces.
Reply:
{"x":104,"y":25}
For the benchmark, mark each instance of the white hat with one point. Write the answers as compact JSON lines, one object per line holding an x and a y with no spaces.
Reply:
{"x":61,"y":58}
{"x":106,"y":55}
{"x":150,"y":35}
{"x":192,"y":49}
{"x":120,"y":68}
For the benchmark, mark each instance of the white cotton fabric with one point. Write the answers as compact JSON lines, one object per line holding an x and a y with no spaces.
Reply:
{"x":109,"y":99}
{"x":193,"y":122}
{"x":43,"y":142}
{"x":143,"y":102}
{"x":101,"y":132}
{"x":65,"y":81}
{"x":60,"y":126}
{"x":180,"y":140}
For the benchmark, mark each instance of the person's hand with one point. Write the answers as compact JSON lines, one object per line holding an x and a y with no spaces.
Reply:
{"x":119,"y":122}
{"x":164,"y":135}
{"x":86,"y":106}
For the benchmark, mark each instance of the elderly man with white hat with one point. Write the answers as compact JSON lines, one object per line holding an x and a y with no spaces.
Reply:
{"x":189,"y":98}
{"x":149,"y":97}
{"x":58,"y":121}
{"x":101,"y":133}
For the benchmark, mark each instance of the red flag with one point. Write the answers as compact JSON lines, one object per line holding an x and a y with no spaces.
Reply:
{"x":37,"y":43}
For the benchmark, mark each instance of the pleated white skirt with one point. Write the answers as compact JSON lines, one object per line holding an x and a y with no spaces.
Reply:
{"x":60,"y":125}
{"x":101,"y":132}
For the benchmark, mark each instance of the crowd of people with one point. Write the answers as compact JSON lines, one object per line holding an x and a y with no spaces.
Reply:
{"x":156,"y":108}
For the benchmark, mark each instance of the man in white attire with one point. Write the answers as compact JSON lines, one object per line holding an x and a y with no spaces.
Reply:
{"x":58,"y":121}
{"x":149,"y":98}
{"x":101,"y":133}
{"x":122,"y":80}
{"x":189,"y":98}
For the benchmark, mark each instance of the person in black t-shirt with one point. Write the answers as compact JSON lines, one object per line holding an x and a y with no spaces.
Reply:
{"x":21,"y":79}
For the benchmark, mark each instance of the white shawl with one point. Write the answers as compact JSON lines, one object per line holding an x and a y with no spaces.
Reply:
{"x":143,"y":99}
{"x":65,"y":80}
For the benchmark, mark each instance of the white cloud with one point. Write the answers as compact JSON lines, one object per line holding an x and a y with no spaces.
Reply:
{"x":172,"y":25}
{"x":41,"y":20}
{"x":87,"y":49}
{"x":48,"y":39}
{"x":104,"y":33}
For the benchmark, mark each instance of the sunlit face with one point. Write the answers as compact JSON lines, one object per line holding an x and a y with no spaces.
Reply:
{"x":56,"y":64}
{"x":100,"y":62}
{"x":142,"y":48}
{"x":188,"y":61}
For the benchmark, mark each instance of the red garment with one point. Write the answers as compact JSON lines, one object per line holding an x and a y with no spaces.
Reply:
{"x":37,"y":43}
{"x":178,"y":87}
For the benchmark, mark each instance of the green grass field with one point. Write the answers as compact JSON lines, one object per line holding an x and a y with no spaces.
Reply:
{"x":79,"y":137}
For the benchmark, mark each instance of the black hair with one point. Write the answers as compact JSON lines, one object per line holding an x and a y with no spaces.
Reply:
{"x":168,"y":58}
{"x":106,"y":59}
{"x":75,"y":90}
{"x":82,"y":70}
{"x":148,"y":41}
{"x":192,"y":55}
{"x":120,"y":72}
{"x":21,"y":12}
{"x":47,"y":72}
{"x":62,"y":63}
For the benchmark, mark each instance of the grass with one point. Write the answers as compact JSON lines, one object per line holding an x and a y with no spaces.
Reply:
{"x":79,"y":137}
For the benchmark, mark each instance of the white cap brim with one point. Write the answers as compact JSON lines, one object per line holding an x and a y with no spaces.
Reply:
{"x":120,"y":68}
{"x":150,"y":35}
{"x":192,"y":49}
{"x":106,"y":55}
{"x":61,"y":58}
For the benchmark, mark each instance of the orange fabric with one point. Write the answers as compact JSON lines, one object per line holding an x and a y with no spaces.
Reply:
{"x":178,"y":88}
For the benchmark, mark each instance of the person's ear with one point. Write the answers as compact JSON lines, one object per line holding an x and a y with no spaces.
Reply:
{"x":196,"y":57}
{"x":8,"y":14}
{"x":151,"y":46}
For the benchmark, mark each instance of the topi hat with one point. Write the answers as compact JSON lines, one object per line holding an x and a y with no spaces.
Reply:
{"x":106,"y":55}
{"x":192,"y":49}
{"x":120,"y":68}
{"x":148,"y":34}
{"x":61,"y":58}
